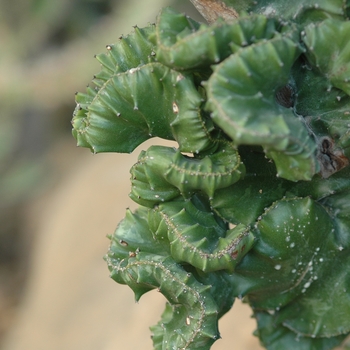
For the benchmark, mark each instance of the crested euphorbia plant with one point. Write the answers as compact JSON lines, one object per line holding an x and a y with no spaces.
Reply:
{"x":254,"y":202}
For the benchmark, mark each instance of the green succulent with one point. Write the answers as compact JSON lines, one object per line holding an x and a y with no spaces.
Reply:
{"x":253,"y":203}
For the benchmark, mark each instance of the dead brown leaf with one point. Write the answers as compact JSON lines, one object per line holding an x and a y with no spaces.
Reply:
{"x":211,"y":10}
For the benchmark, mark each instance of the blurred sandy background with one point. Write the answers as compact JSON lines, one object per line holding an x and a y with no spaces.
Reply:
{"x":58,"y":202}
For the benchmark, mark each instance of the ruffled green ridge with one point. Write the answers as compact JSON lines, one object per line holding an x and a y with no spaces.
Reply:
{"x":253,"y":203}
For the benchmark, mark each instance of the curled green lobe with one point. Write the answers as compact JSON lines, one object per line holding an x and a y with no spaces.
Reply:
{"x":135,"y":99}
{"x":163,"y":173}
{"x":176,"y":35}
{"x":241,"y":97}
{"x":144,"y":102}
{"x":281,"y":261}
{"x":310,"y":313}
{"x":300,"y":11}
{"x":220,"y":289}
{"x":290,"y":270}
{"x":195,"y":324}
{"x":129,"y":52}
{"x":332,"y":60}
{"x":135,"y":258}
{"x":338,"y":208}
{"x":274,"y":336}
{"x":197,"y":237}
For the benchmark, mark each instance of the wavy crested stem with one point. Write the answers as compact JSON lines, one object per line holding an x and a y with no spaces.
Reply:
{"x":253,"y":201}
